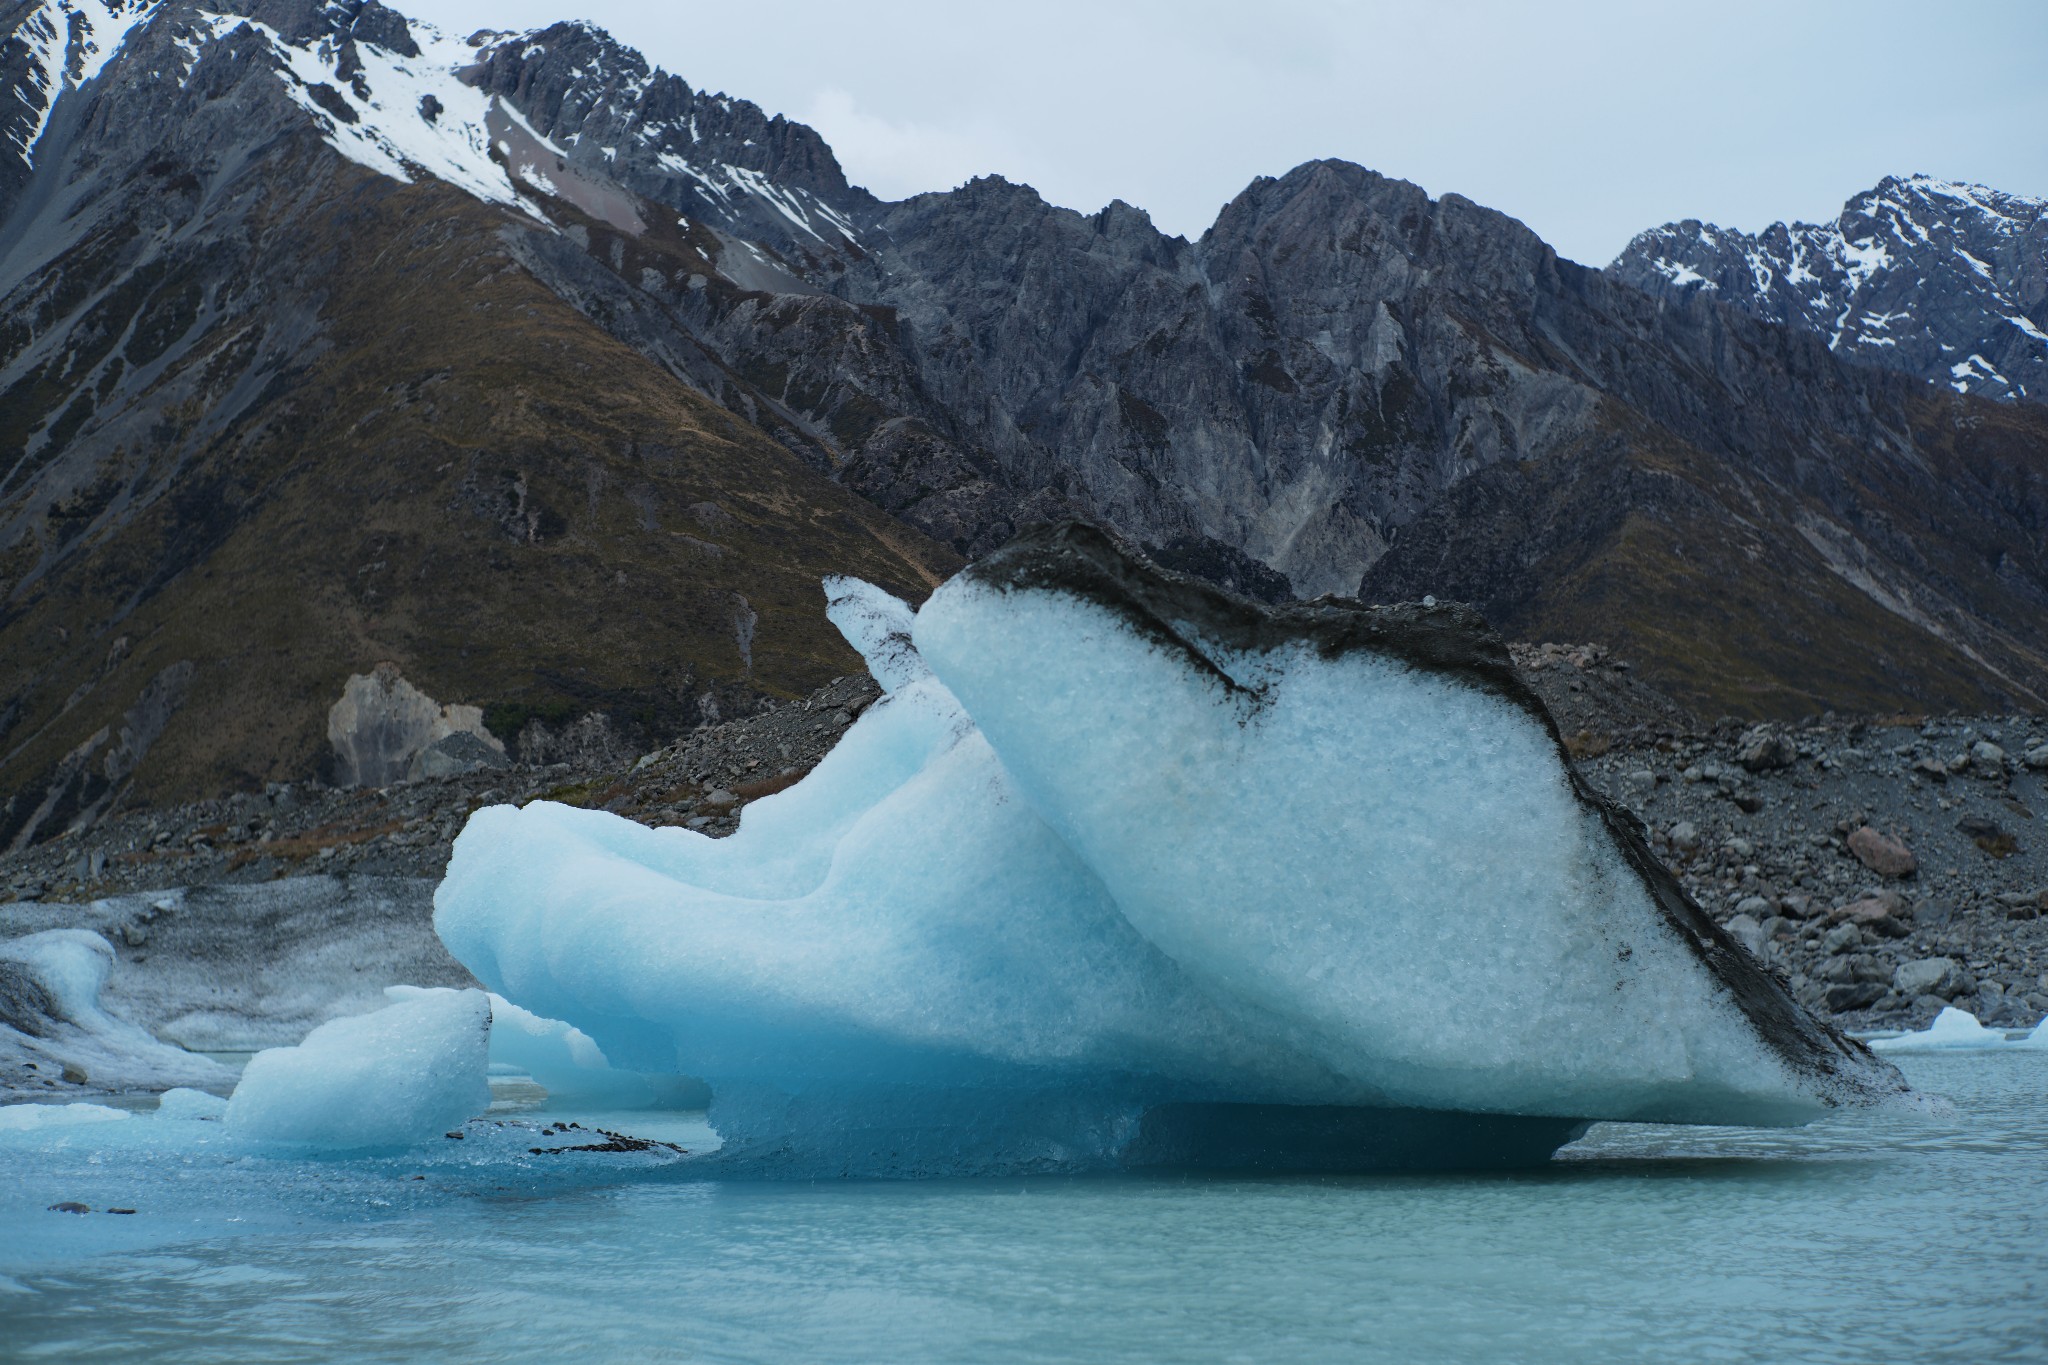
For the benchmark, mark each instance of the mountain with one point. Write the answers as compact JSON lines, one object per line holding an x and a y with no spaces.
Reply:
{"x":1944,"y":281}
{"x":272,"y":416}
{"x":557,"y":383}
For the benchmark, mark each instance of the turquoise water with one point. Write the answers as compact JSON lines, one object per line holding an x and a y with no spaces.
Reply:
{"x":1906,"y":1238}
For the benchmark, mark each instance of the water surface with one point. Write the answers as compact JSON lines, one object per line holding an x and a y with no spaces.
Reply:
{"x":1903,"y":1238}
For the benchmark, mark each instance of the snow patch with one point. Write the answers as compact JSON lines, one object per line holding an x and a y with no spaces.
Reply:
{"x":56,"y":66}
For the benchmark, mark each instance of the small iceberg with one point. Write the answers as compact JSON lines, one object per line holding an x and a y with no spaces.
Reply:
{"x":1124,"y":871}
{"x":406,"y":1073}
{"x":32,"y":1118}
{"x":1955,"y":1030}
{"x":54,"y":1031}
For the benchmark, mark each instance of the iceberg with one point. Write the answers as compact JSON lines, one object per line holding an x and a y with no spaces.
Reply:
{"x":404,"y":1074}
{"x":193,"y":1105}
{"x":1123,"y":871}
{"x":55,"y":1032}
{"x":1956,"y":1030}
{"x":32,"y":1118}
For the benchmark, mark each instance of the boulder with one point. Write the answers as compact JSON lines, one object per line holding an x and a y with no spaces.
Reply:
{"x":1745,"y":929}
{"x":1937,"y":976}
{"x":1685,"y":836}
{"x":1883,"y":913}
{"x":1843,"y":938}
{"x":382,"y":724}
{"x":1766,"y":749}
{"x":2037,"y":758}
{"x":1882,"y":854}
{"x":1852,"y":995}
{"x":1987,"y":759}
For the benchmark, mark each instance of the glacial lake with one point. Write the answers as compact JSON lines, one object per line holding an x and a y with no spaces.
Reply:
{"x":1905,"y":1238}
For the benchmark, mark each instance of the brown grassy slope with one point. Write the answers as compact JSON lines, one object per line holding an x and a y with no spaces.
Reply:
{"x":467,"y":478}
{"x":1706,"y":575}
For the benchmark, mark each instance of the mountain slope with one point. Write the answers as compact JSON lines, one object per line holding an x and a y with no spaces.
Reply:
{"x":1945,"y":281}
{"x":271,"y":417}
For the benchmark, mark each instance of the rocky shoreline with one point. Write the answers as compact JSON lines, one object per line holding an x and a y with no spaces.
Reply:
{"x":1884,"y":867}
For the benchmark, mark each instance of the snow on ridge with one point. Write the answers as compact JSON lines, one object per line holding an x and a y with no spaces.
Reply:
{"x":1679,"y":273}
{"x":1966,"y":373}
{"x":392,"y":134}
{"x":56,"y":66}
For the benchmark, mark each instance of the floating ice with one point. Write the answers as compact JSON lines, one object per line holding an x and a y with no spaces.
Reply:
{"x":53,"y":1029}
{"x":1206,"y":884}
{"x":1360,"y":821}
{"x":406,"y":1073}
{"x":1955,"y":1030}
{"x":190,"y":1104}
{"x":29,"y":1118}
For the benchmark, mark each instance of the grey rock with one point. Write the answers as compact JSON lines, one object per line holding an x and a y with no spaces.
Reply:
{"x":382,"y":724}
{"x":1766,"y":749}
{"x":1744,"y":929}
{"x":1756,"y":907}
{"x":1854,"y":995}
{"x":1684,"y":836}
{"x":1936,"y":976}
{"x":1987,"y":758}
{"x":1843,"y":938}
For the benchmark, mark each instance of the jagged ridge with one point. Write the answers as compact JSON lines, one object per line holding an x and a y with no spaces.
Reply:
{"x":1945,"y":281}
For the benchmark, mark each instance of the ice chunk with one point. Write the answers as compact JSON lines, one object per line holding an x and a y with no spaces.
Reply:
{"x":1361,"y":822}
{"x":28,"y":1118}
{"x":406,"y":1073}
{"x":1953,"y":1030}
{"x":897,"y":916}
{"x":877,"y":625}
{"x":1218,"y":893}
{"x":54,"y":1031}
{"x":190,"y":1104}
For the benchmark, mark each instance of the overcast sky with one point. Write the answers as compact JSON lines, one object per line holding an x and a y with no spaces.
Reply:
{"x":1589,"y":121}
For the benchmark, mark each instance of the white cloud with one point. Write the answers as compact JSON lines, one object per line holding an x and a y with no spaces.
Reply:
{"x":898,"y":159}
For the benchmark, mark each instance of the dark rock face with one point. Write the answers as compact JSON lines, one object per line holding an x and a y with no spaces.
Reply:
{"x":1938,"y":280}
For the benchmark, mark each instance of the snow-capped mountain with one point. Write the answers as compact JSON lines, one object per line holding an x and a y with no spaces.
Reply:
{"x":1941,"y":280}
{"x":403,"y":99}
{"x":328,"y":341}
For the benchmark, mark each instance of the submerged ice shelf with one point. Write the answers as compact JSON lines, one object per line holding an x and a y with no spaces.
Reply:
{"x":1122,"y":870}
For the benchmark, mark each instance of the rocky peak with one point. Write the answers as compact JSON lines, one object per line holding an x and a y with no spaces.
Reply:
{"x":715,"y":159}
{"x":1945,"y":281}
